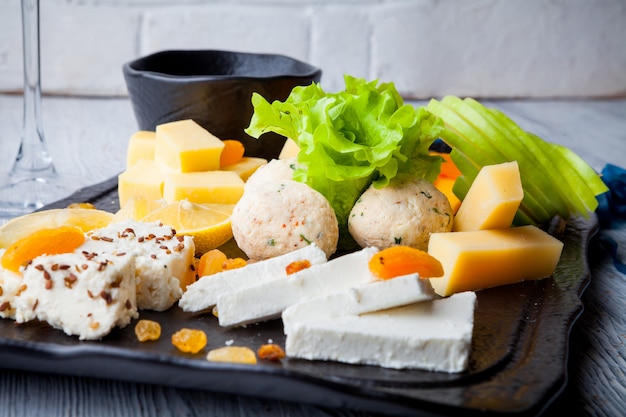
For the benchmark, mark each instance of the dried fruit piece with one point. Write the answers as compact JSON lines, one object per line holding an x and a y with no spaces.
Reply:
{"x":189,"y":340}
{"x":232,"y":152}
{"x":23,"y":226}
{"x":232,"y":354}
{"x":147,"y":330}
{"x":211,"y":262}
{"x":297,"y":266}
{"x":81,"y":206}
{"x":271,"y":352}
{"x":234,"y":263}
{"x":63,"y":239}
{"x":402,"y":260}
{"x":448,"y":167}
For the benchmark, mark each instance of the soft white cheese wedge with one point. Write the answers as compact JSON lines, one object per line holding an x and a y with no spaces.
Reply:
{"x":83,"y":295}
{"x":267,"y":300}
{"x":204,"y":293}
{"x":432,"y":335}
{"x":163,"y":260}
{"x":361,"y":299}
{"x":10,"y":286}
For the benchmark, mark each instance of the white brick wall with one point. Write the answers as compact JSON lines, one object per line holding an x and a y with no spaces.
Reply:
{"x":480,"y":48}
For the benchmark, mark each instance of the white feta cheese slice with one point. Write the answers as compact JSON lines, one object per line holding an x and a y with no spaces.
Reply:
{"x":267,"y":300}
{"x":83,"y":295}
{"x":10,"y":286}
{"x":432,"y":335}
{"x":361,"y":299}
{"x":164,"y":261}
{"x":204,"y":293}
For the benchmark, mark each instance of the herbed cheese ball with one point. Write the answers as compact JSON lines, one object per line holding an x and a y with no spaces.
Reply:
{"x":274,"y":218}
{"x":274,"y":170}
{"x":404,"y":213}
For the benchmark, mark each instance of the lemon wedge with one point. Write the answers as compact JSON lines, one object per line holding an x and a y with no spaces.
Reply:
{"x":208,"y":224}
{"x":136,"y":208}
{"x":84,"y":218}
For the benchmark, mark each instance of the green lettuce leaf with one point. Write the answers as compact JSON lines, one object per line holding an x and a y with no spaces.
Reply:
{"x":349,"y":140}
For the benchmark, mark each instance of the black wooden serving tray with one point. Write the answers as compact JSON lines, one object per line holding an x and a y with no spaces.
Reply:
{"x":518,"y":362}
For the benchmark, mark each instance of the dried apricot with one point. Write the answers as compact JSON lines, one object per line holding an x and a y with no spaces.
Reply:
{"x":233,"y":354}
{"x":63,"y":239}
{"x":402,"y":260}
{"x":234,"y":263}
{"x":211,"y":262}
{"x":297,"y":266}
{"x":448,"y":167}
{"x":271,"y":352}
{"x":147,"y":330}
{"x":189,"y":340}
{"x":232,"y":152}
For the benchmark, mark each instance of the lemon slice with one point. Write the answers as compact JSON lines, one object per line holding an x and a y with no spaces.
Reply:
{"x":84,"y":218}
{"x":208,"y":224}
{"x":136,"y":208}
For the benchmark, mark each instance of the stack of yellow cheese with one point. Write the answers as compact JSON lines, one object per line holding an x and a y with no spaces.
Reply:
{"x":483,"y":250}
{"x":181,"y":161}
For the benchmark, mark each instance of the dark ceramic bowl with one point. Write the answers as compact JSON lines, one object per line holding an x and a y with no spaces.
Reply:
{"x":214,"y":88}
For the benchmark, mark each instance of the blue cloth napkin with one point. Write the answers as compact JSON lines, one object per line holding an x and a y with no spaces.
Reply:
{"x":612,"y":209}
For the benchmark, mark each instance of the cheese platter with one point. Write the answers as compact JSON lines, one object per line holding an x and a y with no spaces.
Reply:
{"x":517,"y":364}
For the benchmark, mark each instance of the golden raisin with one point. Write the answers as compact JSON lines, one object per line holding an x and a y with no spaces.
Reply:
{"x":146,"y":330}
{"x":297,"y":266}
{"x":189,"y":340}
{"x":271,"y":352}
{"x":233,"y":354}
{"x":234,"y":263}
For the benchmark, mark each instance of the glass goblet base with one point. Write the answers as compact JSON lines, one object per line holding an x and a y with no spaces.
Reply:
{"x":23,"y":196}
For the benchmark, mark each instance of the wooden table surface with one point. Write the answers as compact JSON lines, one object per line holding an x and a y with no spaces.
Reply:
{"x":87,"y":138}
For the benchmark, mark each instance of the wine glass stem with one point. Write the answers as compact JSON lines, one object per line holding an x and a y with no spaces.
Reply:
{"x":32,"y":160}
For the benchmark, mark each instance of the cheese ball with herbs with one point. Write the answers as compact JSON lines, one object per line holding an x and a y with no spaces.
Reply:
{"x":274,"y":170}
{"x":274,"y":218}
{"x":404,"y":213}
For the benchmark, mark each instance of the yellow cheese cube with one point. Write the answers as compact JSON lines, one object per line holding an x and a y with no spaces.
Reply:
{"x":246,"y":166}
{"x":290,"y":149}
{"x":142,"y":179}
{"x":487,"y":258}
{"x":492,"y":200}
{"x":185,"y":146}
{"x":224,"y":187}
{"x":140,"y":146}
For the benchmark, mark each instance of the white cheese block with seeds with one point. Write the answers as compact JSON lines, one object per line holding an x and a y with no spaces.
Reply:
{"x":164,"y":261}
{"x":10,"y":286}
{"x":84,"y":295}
